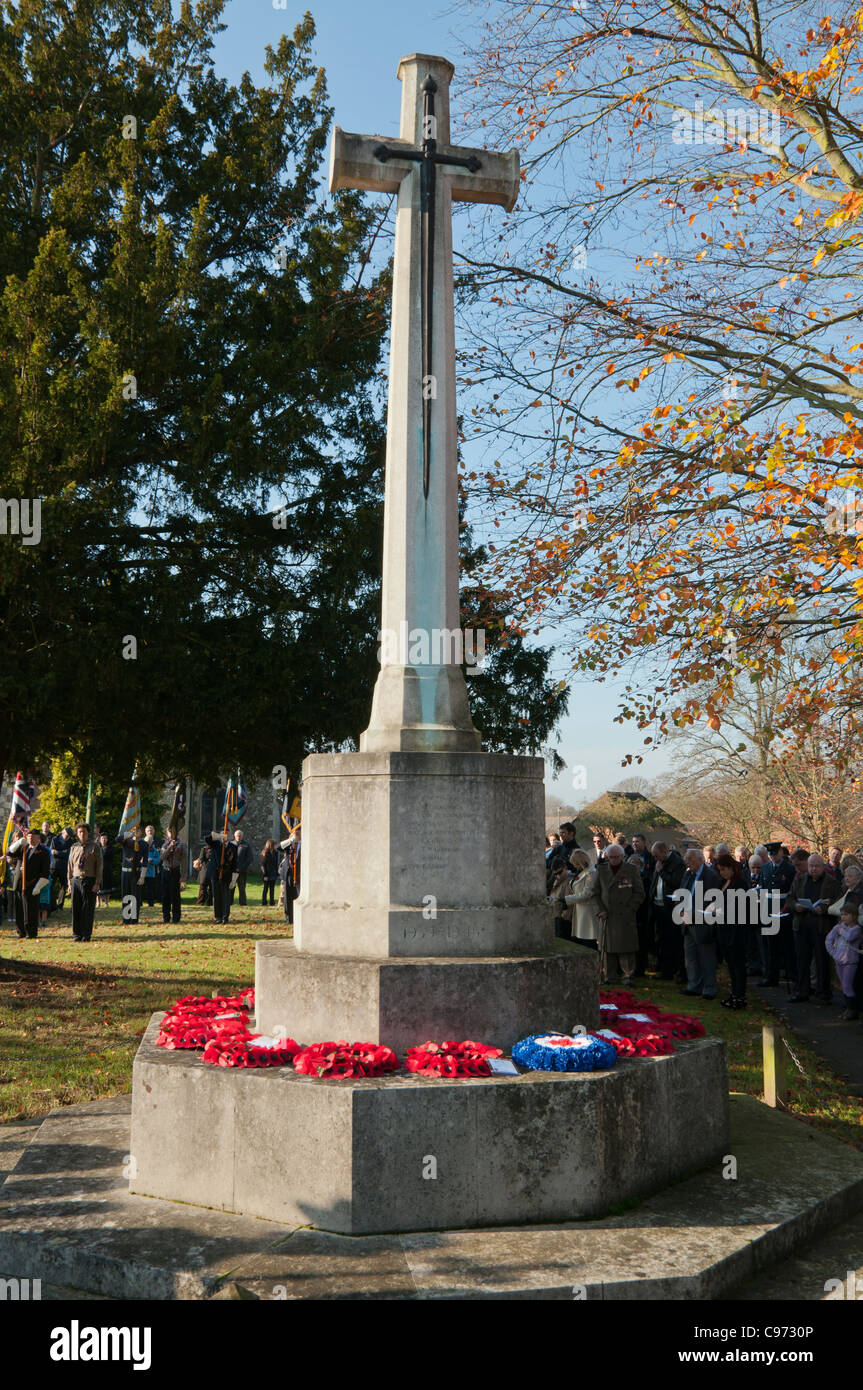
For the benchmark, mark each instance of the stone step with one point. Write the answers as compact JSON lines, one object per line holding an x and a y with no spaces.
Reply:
{"x":811,"y":1273}
{"x":66,"y":1217}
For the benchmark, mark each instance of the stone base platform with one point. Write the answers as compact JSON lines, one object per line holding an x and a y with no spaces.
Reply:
{"x":407,"y":1001}
{"x":402,"y":1152}
{"x":67,"y":1218}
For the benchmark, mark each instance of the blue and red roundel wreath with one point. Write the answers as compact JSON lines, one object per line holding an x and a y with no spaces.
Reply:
{"x":451,"y":1058}
{"x":561,"y":1052}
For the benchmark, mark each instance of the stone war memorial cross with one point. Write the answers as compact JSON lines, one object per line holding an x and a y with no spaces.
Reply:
{"x":422,"y":913}
{"x":422,"y":707}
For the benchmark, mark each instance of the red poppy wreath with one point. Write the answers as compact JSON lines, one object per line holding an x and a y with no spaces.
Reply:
{"x":680,"y":1026}
{"x":344,"y":1060}
{"x":204,"y":1005}
{"x":466,"y":1058}
{"x":196,"y":1030}
{"x":638,"y":1045}
{"x":255,"y":1050}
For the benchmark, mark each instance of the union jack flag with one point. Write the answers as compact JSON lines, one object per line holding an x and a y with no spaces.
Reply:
{"x":21,"y":797}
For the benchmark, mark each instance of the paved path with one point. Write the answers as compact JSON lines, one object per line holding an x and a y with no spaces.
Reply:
{"x":840,"y":1044}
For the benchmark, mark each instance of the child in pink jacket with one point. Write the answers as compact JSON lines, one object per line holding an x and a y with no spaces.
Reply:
{"x":843,"y":945}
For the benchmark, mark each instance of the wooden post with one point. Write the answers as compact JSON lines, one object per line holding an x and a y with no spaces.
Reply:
{"x":775,"y":1080}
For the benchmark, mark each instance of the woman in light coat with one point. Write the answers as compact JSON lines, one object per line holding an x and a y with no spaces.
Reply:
{"x":582,"y":896}
{"x":852,"y":881}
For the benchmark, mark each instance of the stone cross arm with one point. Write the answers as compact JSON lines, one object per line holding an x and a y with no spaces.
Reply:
{"x":355,"y":163}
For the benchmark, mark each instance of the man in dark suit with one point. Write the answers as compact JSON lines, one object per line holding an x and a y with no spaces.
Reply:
{"x":777,"y":877}
{"x":667,"y":877}
{"x":34,"y":865}
{"x":809,"y":897}
{"x":646,"y":865}
{"x":699,"y":927}
{"x":133,"y":873}
{"x":221,"y":868}
{"x":14,"y":856}
{"x":60,"y":847}
{"x":244,"y":864}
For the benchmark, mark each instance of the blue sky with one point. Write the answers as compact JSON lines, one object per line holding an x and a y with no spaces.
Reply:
{"x":359,"y":45}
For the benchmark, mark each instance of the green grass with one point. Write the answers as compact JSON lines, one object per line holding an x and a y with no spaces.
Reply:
{"x":71,"y":1015}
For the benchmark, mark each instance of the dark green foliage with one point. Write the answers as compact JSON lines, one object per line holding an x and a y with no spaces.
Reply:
{"x":256,"y":377}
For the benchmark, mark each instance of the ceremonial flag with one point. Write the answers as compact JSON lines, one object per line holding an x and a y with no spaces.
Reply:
{"x":130,"y":822}
{"x":88,"y":814}
{"x":178,"y":811}
{"x":291,"y":804}
{"x":22,"y":794}
{"x":236,"y":800}
{"x":19,"y":815}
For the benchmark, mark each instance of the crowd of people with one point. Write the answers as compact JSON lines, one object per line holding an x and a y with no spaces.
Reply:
{"x":775,"y":914}
{"x":43,"y":869}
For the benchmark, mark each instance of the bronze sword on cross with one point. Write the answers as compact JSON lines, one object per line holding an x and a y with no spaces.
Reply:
{"x":483,"y":176}
{"x":428,"y":157}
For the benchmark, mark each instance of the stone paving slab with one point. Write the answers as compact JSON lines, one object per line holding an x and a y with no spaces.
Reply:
{"x":66,"y":1217}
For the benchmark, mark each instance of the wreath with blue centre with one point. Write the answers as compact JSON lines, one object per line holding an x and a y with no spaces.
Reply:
{"x":562,"y":1052}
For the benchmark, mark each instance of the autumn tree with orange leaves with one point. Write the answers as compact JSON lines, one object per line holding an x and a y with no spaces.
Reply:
{"x":665,"y":422}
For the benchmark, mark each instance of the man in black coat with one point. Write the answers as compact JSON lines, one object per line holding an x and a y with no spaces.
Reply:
{"x":14,"y":856}
{"x":205,"y":886}
{"x":34,"y":863}
{"x":777,"y":877}
{"x":646,"y":864}
{"x":666,"y":879}
{"x":136,"y":853}
{"x":559,"y":857}
{"x":244,"y":864}
{"x":221,"y":868}
{"x":809,"y":897}
{"x":174,"y":855}
{"x":699,"y":926}
{"x":60,"y":847}
{"x":289,"y":871}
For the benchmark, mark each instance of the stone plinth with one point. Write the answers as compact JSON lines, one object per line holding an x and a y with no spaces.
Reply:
{"x":422,"y":854}
{"x":403,"y":1153}
{"x":405,"y":1002}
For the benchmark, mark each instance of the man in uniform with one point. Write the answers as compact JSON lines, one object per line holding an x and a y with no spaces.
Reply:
{"x":35,"y":871}
{"x":85,"y":876}
{"x":173,"y":854}
{"x":133,"y":871}
{"x":221,"y":868}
